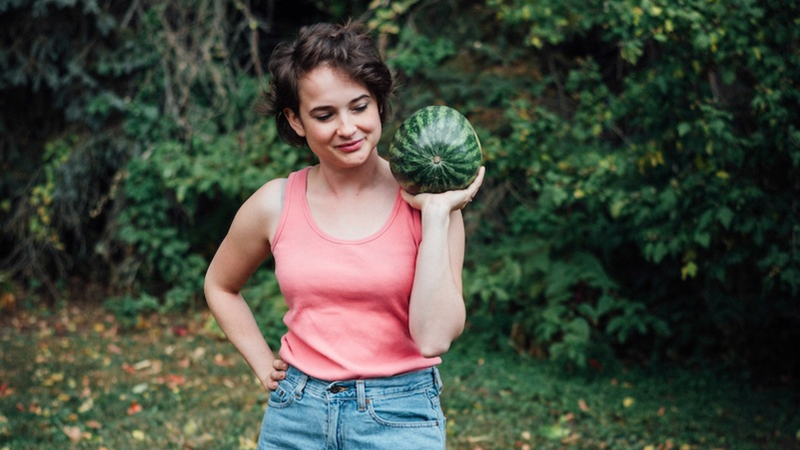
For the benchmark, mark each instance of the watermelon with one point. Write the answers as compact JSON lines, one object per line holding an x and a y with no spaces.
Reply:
{"x":435,"y":150}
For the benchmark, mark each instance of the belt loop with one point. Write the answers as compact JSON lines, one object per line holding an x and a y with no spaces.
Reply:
{"x":301,"y":385}
{"x":362,"y":395}
{"x":437,"y":378}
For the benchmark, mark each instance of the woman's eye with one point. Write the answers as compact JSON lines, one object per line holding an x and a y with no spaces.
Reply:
{"x":360,"y":108}
{"x":323,"y":117}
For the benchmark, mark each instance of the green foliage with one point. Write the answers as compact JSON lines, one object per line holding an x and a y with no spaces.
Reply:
{"x":129,"y":311}
{"x":642,"y":160}
{"x":162,"y":143}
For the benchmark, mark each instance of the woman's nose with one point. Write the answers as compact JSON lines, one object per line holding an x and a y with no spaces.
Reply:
{"x":347,"y":126}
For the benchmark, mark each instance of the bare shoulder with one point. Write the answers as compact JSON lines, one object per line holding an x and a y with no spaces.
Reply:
{"x":269,"y":197}
{"x":261,"y":212}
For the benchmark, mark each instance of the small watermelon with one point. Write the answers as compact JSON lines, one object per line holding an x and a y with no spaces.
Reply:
{"x":435,"y":150}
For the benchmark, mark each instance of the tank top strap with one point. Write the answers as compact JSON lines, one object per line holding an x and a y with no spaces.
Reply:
{"x":293,"y":199}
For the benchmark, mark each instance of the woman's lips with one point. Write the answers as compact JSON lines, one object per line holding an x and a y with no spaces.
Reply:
{"x":350,"y":146}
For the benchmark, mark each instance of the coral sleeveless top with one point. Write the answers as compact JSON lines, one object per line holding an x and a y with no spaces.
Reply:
{"x":348,"y":299}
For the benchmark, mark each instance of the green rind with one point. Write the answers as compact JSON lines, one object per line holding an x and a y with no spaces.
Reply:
{"x":430,"y":132}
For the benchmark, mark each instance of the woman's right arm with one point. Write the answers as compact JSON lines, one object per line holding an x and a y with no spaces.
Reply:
{"x":245,"y":247}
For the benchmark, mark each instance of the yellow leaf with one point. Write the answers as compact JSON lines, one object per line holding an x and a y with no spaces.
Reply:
{"x":190,"y":429}
{"x":86,"y":406}
{"x":628,"y":402}
{"x":138,"y":435}
{"x":247,"y":444}
{"x":689,"y":270}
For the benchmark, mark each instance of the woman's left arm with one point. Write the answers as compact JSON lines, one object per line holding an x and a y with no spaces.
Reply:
{"x":436,"y":311}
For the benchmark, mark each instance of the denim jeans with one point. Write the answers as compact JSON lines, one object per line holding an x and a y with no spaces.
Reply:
{"x":394,"y":413}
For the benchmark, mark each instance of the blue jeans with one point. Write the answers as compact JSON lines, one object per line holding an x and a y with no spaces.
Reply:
{"x":394,"y":413}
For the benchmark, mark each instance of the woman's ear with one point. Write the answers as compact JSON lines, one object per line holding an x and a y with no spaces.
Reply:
{"x":294,"y":122}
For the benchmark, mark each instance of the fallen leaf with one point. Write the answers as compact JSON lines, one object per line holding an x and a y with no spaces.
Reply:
{"x":86,"y":406}
{"x":628,"y":402}
{"x":662,"y":411}
{"x":247,"y":444}
{"x":93,"y":424}
{"x":572,"y":439}
{"x":144,"y":364}
{"x":113,"y":348}
{"x":138,"y":435}
{"x":222,"y":361}
{"x":140,"y":388}
{"x":190,"y":428}
{"x":174,"y":381}
{"x":134,"y":408}
{"x":7,"y":301}
{"x":73,"y":433}
{"x":198,"y":353}
{"x":583,"y":406}
{"x":553,"y":432}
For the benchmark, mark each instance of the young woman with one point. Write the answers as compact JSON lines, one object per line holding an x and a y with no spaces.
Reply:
{"x":371,"y":274}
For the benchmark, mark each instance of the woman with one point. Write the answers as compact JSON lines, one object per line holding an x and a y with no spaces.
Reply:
{"x":371,"y":274}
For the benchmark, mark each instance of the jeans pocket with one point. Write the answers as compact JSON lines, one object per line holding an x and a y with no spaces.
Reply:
{"x":282,"y":396}
{"x":409,"y":410}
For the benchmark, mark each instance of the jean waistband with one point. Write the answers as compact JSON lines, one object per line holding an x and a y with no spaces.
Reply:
{"x":372,"y":387}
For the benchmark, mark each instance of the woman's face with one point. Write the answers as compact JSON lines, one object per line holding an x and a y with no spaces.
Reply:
{"x":338,"y":116}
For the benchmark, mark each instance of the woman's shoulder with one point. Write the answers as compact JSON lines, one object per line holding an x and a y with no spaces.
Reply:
{"x":267,"y":201}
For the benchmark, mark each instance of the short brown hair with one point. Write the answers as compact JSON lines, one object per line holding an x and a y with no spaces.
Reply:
{"x":348,"y":48}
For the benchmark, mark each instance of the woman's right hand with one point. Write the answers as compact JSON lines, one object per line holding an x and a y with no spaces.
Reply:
{"x":277,"y":374}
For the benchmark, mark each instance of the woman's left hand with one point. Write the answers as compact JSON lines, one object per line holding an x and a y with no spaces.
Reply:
{"x":454,"y":200}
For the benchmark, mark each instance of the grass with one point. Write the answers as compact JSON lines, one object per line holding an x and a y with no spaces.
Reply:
{"x":77,"y":379}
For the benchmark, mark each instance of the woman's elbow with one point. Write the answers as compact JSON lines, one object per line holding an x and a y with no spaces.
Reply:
{"x":434,"y":350}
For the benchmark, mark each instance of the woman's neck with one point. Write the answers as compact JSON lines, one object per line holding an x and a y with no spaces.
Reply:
{"x":350,"y":181}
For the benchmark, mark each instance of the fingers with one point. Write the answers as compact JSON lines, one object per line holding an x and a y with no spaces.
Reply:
{"x":455,"y":199}
{"x":278,"y":374}
{"x":472,"y":189}
{"x":279,"y":364}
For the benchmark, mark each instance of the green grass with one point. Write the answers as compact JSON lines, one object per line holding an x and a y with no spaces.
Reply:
{"x":76,"y":379}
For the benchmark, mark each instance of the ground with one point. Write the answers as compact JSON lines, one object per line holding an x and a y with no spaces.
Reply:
{"x":79,"y":378}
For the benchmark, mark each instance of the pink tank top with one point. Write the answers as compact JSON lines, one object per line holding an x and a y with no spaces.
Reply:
{"x":347,"y":299}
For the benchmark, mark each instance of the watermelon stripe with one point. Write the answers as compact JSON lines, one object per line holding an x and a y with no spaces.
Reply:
{"x":434,"y":150}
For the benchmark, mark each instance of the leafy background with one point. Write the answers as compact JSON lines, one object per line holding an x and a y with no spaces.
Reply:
{"x":642,"y":202}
